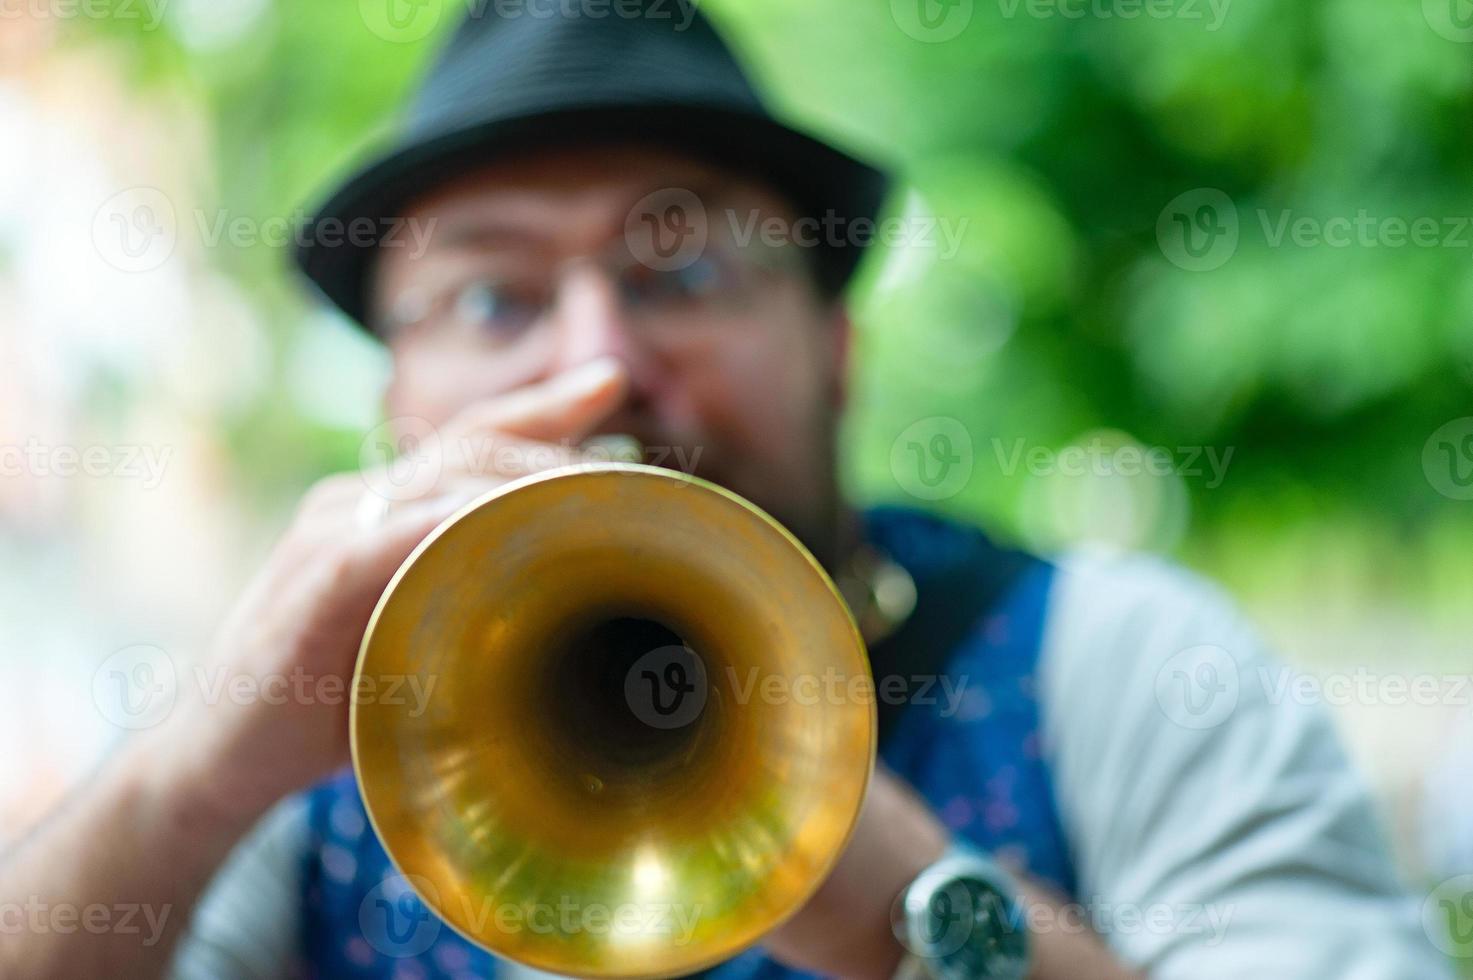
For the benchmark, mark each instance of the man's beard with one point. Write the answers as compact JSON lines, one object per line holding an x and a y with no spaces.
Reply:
{"x":811,"y":517}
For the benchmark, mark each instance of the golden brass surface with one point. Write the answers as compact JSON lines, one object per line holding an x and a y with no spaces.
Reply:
{"x":647,"y":737}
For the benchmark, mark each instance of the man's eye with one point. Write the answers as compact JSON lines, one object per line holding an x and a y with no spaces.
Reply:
{"x":497,"y":307}
{"x":699,"y":280}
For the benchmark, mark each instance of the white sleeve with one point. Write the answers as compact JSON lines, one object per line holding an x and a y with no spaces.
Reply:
{"x":1217,"y":828}
{"x":245,"y":924}
{"x":1447,"y":829}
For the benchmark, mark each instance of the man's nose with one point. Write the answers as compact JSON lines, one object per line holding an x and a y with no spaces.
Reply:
{"x":591,"y":322}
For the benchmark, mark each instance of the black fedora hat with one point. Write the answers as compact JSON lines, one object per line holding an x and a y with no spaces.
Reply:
{"x":539,"y":73}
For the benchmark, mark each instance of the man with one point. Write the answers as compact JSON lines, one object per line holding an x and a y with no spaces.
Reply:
{"x":1123,"y":828}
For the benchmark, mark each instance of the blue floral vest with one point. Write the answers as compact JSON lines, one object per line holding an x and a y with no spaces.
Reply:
{"x":979,"y":765}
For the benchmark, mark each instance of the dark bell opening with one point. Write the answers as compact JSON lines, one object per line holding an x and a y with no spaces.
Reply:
{"x":623,"y":695}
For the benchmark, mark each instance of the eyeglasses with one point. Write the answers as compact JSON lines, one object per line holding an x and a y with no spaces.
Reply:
{"x":504,"y":301}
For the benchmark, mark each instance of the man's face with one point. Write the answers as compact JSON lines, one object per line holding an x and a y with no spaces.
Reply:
{"x":736,"y":363}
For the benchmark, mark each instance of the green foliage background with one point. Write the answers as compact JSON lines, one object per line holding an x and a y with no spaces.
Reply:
{"x":1060,"y":139}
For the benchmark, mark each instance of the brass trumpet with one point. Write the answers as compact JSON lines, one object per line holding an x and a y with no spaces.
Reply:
{"x":614,"y":775}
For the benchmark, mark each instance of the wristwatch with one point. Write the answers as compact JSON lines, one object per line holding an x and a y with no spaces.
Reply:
{"x":962,"y":919}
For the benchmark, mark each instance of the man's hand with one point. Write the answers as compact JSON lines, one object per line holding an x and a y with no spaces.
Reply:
{"x":845,"y":929}
{"x":307,"y":610}
{"x":152,"y":828}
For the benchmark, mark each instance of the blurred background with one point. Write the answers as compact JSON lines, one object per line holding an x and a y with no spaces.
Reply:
{"x":1209,"y":297}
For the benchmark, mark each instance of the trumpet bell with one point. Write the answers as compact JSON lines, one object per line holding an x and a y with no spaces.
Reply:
{"x":616,"y":772}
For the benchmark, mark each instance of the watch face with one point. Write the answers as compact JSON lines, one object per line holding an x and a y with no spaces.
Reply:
{"x":970,"y":928}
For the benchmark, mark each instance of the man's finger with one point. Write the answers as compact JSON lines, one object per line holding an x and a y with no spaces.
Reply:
{"x":568,"y":406}
{"x":376,"y":553}
{"x":496,"y":454}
